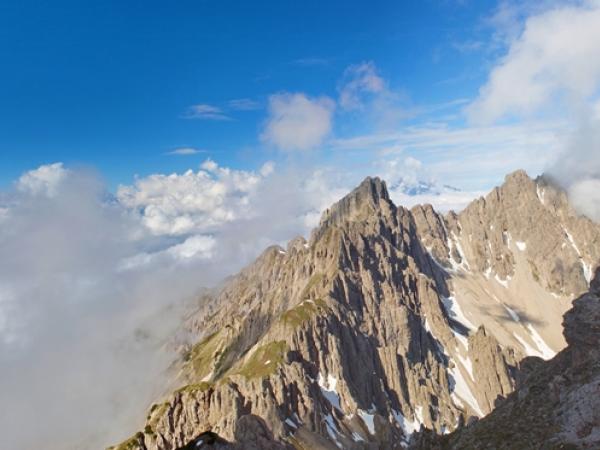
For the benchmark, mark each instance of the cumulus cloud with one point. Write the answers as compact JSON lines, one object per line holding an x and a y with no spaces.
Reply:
{"x":44,"y":180}
{"x":179,"y":204}
{"x":297,"y":122}
{"x":556,"y":54}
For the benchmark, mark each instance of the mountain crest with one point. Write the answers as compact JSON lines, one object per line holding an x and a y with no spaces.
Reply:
{"x":368,"y":197}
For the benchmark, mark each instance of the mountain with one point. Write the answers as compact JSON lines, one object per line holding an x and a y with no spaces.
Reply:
{"x":385,"y":321}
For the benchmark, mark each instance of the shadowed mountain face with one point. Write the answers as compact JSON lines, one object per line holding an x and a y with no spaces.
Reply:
{"x":557,"y":402}
{"x":385,"y":321}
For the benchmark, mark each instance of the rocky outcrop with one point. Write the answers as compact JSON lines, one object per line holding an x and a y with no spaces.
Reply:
{"x":372,"y":329}
{"x":557,"y":405}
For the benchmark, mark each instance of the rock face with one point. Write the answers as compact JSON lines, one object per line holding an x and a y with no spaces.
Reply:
{"x":387,"y":320}
{"x":557,"y":405}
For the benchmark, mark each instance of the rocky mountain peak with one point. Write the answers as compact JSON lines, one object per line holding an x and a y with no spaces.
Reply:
{"x":519,"y":177}
{"x":374,"y":328}
{"x":368,"y":198}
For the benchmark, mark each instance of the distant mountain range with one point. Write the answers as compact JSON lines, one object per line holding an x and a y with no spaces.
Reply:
{"x":393,"y":328}
{"x":420,"y":187}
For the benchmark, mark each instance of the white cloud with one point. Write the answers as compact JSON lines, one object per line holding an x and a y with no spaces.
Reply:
{"x":179,"y":204}
{"x":552,"y":68}
{"x":557,"y":54}
{"x":194,"y":247}
{"x":205,"y":111}
{"x":297,"y":122}
{"x":44,"y":180}
{"x":185,"y":151}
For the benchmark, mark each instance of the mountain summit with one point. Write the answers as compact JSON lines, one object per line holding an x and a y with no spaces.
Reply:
{"x":386,"y":322}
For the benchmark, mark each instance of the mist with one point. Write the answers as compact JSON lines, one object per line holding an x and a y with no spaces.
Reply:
{"x":90,"y":299}
{"x":577,"y":167}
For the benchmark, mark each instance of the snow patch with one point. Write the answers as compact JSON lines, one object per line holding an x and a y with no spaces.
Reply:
{"x":507,"y":238}
{"x":419,"y":413}
{"x":357,"y":437}
{"x":332,"y":430}
{"x":502,"y":282}
{"x":460,"y":338}
{"x":329,"y":389}
{"x":434,"y":259}
{"x":529,"y":350}
{"x":454,"y":242}
{"x":408,"y":426}
{"x":488,"y":272}
{"x":587,"y":269}
{"x":368,"y":418}
{"x":540,"y":194}
{"x":461,"y":390}
{"x":547,"y":352}
{"x":291,"y":423}
{"x":512,"y":313}
{"x":455,"y":312}
{"x":466,"y":362}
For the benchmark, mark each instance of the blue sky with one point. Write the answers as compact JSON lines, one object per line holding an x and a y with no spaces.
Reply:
{"x":107,"y":84}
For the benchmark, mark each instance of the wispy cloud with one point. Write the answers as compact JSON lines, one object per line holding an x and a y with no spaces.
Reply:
{"x":360,"y":80}
{"x":205,"y":111}
{"x":308,"y":62}
{"x":244,"y":104}
{"x":185,"y":151}
{"x":362,"y":90}
{"x":470,"y":157}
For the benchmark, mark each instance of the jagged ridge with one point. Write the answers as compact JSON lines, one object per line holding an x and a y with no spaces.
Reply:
{"x":371,"y":329}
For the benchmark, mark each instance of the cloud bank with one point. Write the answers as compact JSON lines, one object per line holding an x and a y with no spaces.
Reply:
{"x":94,"y":288}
